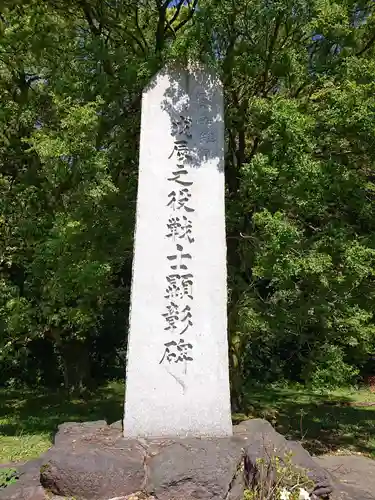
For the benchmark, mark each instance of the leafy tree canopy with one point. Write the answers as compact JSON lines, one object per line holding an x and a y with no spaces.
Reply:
{"x":299,"y":92}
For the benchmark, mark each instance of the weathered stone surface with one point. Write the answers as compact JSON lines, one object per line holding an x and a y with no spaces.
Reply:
{"x":139,"y":495}
{"x":28,"y":485}
{"x":11,"y":465}
{"x":177,"y":381}
{"x":117,"y":425}
{"x":344,"y":492}
{"x":94,"y":462}
{"x":71,"y":432}
{"x":264,"y":442}
{"x":95,"y":474}
{"x":197,"y":469}
{"x":15,"y":492}
{"x":354,"y":476}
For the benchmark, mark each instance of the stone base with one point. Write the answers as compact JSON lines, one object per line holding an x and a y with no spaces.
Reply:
{"x":92,"y":461}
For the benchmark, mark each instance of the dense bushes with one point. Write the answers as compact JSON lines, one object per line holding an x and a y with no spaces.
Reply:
{"x":299,"y":91}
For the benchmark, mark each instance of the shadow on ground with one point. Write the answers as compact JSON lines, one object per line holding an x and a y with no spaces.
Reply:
{"x":324,"y":424}
{"x":32,"y":412}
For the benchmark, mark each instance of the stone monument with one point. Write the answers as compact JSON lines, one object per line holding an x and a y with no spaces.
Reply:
{"x":177,"y":381}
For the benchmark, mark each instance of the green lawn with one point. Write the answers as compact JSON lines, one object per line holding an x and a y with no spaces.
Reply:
{"x":331,"y":422}
{"x":29,"y":419}
{"x":328,"y":422}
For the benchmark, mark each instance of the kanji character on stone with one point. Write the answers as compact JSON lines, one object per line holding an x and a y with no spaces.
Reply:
{"x":177,"y":351}
{"x":181,"y":149}
{"x":177,"y":177}
{"x":171,"y":316}
{"x":179,"y":286}
{"x":178,"y":258}
{"x":186,"y":319}
{"x":182,"y":126}
{"x":176,"y":202}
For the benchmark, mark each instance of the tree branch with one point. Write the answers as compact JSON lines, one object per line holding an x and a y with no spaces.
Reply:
{"x":300,"y":88}
{"x":191,"y":13}
{"x":176,"y":14}
{"x":139,"y":30}
{"x":159,"y":36}
{"x":368,"y":45}
{"x":89,"y":16}
{"x":270,"y":51}
{"x":254,"y":149}
{"x":130,"y":35}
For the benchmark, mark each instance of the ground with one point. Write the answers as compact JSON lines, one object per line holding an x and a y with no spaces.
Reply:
{"x":332,"y":422}
{"x":338,"y":421}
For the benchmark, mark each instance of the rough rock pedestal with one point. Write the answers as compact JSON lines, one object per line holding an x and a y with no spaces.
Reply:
{"x":93,"y":461}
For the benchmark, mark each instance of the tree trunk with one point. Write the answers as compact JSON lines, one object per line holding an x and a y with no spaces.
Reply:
{"x":76,"y":365}
{"x":75,"y":362}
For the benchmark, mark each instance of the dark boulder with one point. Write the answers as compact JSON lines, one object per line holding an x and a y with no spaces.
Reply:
{"x":92,"y":461}
{"x":354,"y":476}
{"x":28,"y":485}
{"x":94,"y":474}
{"x":197,"y":469}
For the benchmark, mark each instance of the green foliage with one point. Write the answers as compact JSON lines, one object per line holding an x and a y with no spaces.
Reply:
{"x":299,"y":91}
{"x":327,"y":368}
{"x":8,"y":476}
{"x":287,"y":478}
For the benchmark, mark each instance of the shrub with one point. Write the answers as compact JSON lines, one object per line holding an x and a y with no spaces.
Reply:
{"x":290,"y":482}
{"x":8,"y":476}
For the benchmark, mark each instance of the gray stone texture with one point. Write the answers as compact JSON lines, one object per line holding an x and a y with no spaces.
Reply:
{"x":94,"y":462}
{"x":181,"y":390}
{"x":27,"y":493}
{"x":28,"y":485}
{"x":194,"y":468}
{"x":95,"y":474}
{"x":354,"y":476}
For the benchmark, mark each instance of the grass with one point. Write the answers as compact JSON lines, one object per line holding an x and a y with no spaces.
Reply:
{"x":329,"y":422}
{"x":29,"y":419}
